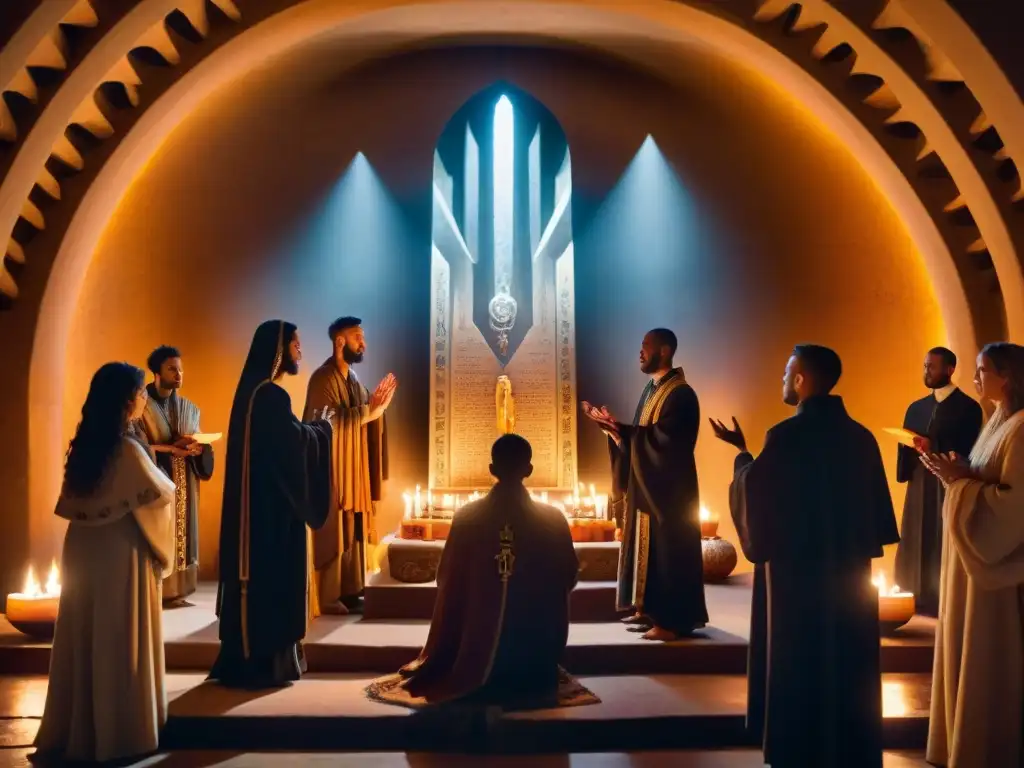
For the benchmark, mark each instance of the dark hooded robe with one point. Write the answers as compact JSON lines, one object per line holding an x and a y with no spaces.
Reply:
{"x":656,"y":498}
{"x":501,"y":619}
{"x":811,"y":512}
{"x":952,"y":425}
{"x":278,"y":481}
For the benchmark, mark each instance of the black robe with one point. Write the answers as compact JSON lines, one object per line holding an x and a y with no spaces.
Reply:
{"x":278,"y":480}
{"x":811,"y":512}
{"x":952,"y":425}
{"x":655,"y":492}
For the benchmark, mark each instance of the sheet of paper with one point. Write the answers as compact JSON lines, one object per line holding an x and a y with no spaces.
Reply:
{"x":206,"y":438}
{"x":903,"y":435}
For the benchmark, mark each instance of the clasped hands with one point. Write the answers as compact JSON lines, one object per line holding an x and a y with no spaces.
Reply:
{"x":948,"y":467}
{"x":604,"y":419}
{"x":379,"y":402}
{"x":184,"y":447}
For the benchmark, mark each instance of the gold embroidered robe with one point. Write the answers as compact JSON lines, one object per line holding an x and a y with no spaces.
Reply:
{"x":655,"y":496}
{"x":165,"y":421}
{"x":359,"y":469}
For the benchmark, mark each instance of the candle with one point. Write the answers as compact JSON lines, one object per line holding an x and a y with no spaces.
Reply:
{"x":895,"y":608}
{"x":708,"y":525}
{"x":34,"y":611}
{"x":407,"y":499}
{"x":416,"y":506}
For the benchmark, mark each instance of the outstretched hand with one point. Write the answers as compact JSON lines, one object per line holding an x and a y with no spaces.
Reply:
{"x":733,"y":437}
{"x":604,"y":419}
{"x":601,"y":416}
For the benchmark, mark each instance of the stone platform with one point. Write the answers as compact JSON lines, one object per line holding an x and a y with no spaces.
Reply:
{"x":687,"y":694}
{"x":330,"y":712}
{"x":410,"y":561}
{"x":357,"y":644}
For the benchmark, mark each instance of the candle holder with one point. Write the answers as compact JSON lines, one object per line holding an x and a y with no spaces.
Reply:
{"x":34,"y":611}
{"x":895,"y":608}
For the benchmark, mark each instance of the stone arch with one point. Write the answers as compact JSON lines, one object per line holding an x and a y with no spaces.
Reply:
{"x":183,"y":62}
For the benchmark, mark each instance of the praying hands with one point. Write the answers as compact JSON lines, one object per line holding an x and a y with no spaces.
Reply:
{"x":947,"y":467}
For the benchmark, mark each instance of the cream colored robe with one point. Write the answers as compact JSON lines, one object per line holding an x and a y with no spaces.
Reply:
{"x":106,"y":697}
{"x":977,"y":707}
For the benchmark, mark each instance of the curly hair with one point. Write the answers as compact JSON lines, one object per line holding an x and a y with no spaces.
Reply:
{"x":159,"y":356}
{"x":103,"y":424}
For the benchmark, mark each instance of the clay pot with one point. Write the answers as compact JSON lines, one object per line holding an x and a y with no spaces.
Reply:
{"x":720,"y":559}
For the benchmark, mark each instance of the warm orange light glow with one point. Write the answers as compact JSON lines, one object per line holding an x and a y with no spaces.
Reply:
{"x":705,"y":516}
{"x":32,"y":587}
{"x":894,"y":699}
{"x":884,"y":590}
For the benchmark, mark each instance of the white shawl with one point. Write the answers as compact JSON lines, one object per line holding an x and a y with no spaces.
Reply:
{"x":132,"y":484}
{"x":986,"y":516}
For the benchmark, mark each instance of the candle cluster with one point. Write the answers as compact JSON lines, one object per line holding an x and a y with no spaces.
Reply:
{"x":583,"y":502}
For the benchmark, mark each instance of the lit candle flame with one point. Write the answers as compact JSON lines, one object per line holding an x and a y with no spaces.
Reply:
{"x":31,"y":585}
{"x":705,"y":516}
{"x":53,"y":580}
{"x":34,"y":589}
{"x":884,"y":590}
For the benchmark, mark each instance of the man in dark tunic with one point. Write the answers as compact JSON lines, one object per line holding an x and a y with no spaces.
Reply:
{"x":811,"y":512}
{"x":169,"y":421}
{"x":278,"y":481}
{"x":501,"y":620}
{"x":946,"y":421}
{"x":656,"y":498}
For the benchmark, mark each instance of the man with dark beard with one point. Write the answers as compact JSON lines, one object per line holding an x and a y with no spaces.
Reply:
{"x":359,"y":468}
{"x":169,"y":421}
{"x":946,"y":421}
{"x":278,"y":481}
{"x":656,"y":498}
{"x":811,"y":512}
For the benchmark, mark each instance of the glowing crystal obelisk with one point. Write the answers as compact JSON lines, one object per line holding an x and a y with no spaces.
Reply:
{"x":502,"y":307}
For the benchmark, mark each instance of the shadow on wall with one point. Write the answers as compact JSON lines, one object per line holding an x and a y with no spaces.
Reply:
{"x":740,"y":224}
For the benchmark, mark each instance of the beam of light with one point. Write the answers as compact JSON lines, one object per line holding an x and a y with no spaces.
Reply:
{"x":471,"y":195}
{"x":447,"y":236}
{"x":504,"y":199}
{"x":533,"y":177}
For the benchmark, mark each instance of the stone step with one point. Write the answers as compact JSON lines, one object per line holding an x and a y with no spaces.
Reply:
{"x":355,"y":644}
{"x":331,"y":712}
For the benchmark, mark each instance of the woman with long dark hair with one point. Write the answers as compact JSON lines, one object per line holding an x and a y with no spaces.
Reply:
{"x":106,"y":698}
{"x":978,"y":682}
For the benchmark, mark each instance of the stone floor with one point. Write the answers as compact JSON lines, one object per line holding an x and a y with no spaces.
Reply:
{"x":18,"y":758}
{"x":330,"y":712}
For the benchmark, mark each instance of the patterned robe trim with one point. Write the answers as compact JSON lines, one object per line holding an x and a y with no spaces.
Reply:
{"x":641,"y":518}
{"x":163,"y":428}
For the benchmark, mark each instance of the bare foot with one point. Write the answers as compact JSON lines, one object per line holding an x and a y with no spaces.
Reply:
{"x":661,"y":635}
{"x":636,"y":618}
{"x":645,"y":627}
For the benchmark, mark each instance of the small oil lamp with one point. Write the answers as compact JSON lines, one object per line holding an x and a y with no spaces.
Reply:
{"x":33,"y":612}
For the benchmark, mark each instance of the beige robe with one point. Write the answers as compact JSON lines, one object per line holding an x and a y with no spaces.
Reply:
{"x":977,"y":708}
{"x":359,"y":468}
{"x":106,"y":697}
